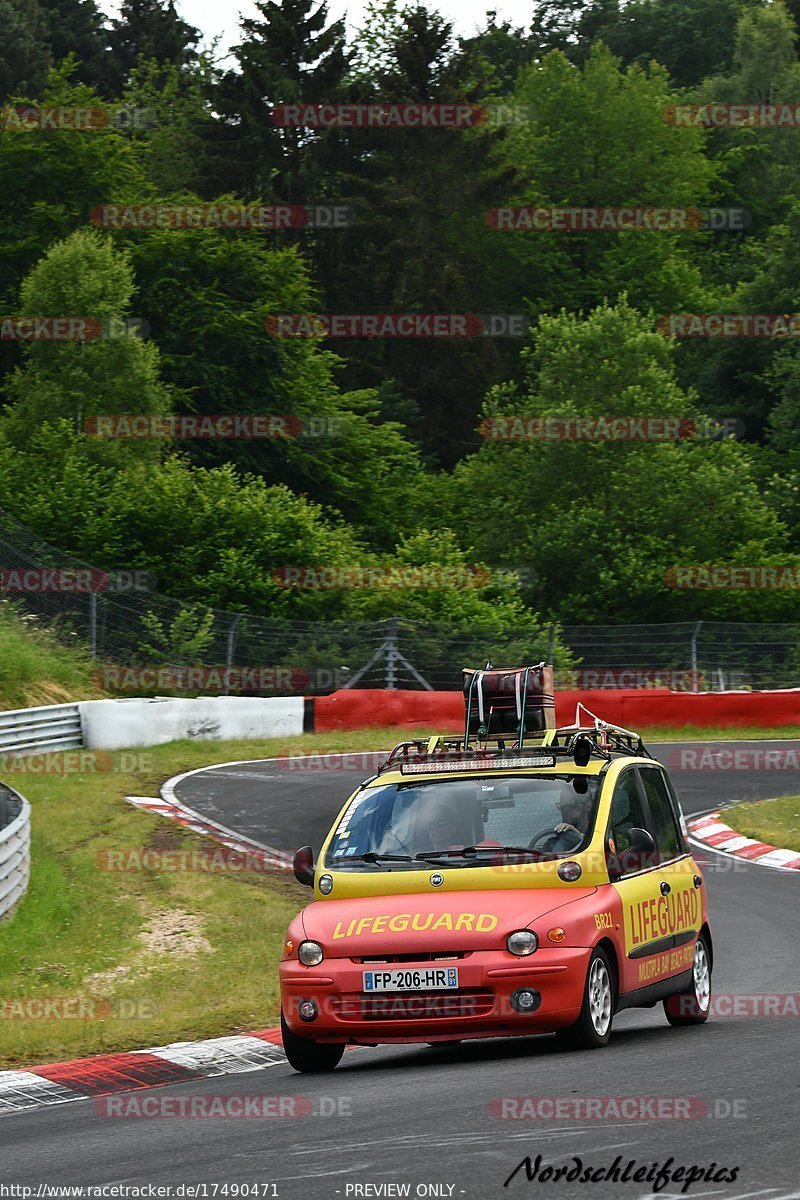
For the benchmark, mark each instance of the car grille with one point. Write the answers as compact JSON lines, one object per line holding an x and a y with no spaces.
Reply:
{"x":415,"y":958}
{"x":416,"y":1006}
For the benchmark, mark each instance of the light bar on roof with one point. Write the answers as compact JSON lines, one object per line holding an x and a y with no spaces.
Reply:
{"x":477,"y":764}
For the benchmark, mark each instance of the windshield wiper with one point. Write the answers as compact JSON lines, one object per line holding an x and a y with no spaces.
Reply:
{"x":474,"y":851}
{"x":371,"y":856}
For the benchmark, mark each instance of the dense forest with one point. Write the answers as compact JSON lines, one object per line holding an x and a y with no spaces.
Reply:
{"x":408,"y":451}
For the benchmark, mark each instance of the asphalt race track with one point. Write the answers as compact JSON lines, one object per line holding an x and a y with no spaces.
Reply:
{"x":423,"y":1118}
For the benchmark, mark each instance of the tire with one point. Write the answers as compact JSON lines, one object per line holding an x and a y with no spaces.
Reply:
{"x":308,"y":1057}
{"x":593,"y":1027}
{"x":691,"y":1007}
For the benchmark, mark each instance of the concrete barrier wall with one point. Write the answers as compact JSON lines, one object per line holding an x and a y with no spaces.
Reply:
{"x":635,"y":708}
{"x":120,"y":724}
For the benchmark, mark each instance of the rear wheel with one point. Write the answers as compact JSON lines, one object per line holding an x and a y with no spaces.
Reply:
{"x":691,"y":1007}
{"x":593,"y":1027}
{"x":311,"y":1058}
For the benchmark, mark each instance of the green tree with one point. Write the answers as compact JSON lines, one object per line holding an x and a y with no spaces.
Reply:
{"x":150,"y":30}
{"x":77,"y":29}
{"x":288,"y":54}
{"x":107,"y":370}
{"x":603,"y":522}
{"x":24,"y":57}
{"x":52,"y":179}
{"x":598,"y":138}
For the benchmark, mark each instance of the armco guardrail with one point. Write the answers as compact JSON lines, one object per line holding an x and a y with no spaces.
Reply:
{"x":39,"y":730}
{"x":15,"y":847}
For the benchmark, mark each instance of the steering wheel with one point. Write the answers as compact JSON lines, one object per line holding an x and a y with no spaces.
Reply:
{"x":539,"y":836}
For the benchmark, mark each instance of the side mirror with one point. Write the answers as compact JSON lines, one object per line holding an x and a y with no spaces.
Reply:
{"x":303,"y":866}
{"x":641,"y":842}
{"x":641,"y":853}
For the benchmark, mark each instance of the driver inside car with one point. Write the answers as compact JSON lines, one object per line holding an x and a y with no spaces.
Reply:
{"x":575,"y":810}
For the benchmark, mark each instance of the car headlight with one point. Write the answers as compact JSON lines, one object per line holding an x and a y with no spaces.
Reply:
{"x":523,"y":942}
{"x":310,"y":954}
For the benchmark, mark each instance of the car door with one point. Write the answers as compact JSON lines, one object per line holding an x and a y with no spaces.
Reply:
{"x":640,"y":886}
{"x":680,"y":880}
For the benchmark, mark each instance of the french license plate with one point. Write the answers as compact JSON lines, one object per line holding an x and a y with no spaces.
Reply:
{"x":417,"y":979}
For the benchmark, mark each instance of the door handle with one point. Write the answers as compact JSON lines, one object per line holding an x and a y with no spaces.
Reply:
{"x":665,"y":888}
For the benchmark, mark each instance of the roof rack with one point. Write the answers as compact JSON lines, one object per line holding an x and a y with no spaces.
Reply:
{"x":492,"y":751}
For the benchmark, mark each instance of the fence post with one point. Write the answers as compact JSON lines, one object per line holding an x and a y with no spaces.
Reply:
{"x":391,"y":655}
{"x":229,"y":649}
{"x":695,"y":634}
{"x":93,"y":624}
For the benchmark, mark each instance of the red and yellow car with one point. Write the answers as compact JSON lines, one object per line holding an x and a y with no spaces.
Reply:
{"x":481,"y":890}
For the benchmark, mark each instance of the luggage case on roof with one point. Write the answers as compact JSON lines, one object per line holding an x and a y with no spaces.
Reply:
{"x":510,"y":700}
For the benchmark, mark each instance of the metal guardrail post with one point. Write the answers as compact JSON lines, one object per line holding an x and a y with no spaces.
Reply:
{"x":15,"y":848}
{"x":229,"y":648}
{"x":391,"y":655}
{"x":93,"y":624}
{"x":695,"y":634}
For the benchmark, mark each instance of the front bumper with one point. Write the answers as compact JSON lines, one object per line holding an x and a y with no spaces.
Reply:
{"x":479,"y":1007}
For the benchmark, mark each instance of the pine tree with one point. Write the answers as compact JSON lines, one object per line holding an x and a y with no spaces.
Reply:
{"x":151,"y":29}
{"x":24,"y":56}
{"x":78,"y":28}
{"x":287,"y":55}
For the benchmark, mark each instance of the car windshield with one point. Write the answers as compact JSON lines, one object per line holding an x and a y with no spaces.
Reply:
{"x":408,"y":825}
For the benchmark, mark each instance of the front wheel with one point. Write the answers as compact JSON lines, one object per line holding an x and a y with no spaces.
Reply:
{"x":593,"y":1027}
{"x":310,"y":1058}
{"x":691,"y":1007}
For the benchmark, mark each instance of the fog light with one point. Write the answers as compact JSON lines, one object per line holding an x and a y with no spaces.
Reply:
{"x":526,"y":1000}
{"x":569,"y":872}
{"x":307,"y":1010}
{"x":326,"y":884}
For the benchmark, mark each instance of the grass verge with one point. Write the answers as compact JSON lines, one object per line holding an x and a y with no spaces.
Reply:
{"x":776,"y":822}
{"x":35,"y":668}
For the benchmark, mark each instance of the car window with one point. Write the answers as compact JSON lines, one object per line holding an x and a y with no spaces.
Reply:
{"x":553,"y":814}
{"x":626,"y":812}
{"x":664,"y":826}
